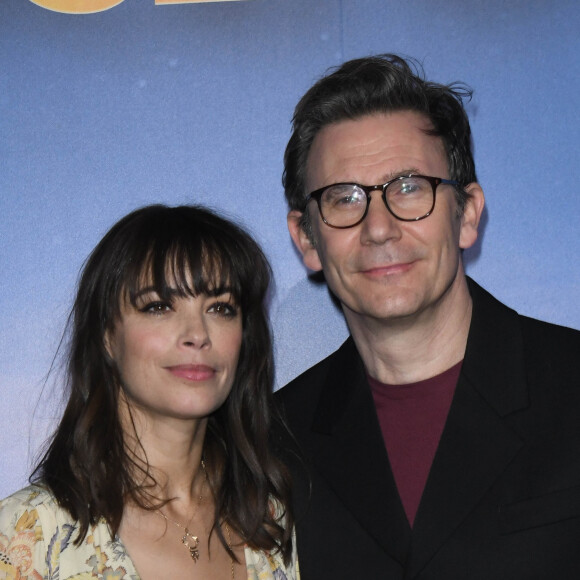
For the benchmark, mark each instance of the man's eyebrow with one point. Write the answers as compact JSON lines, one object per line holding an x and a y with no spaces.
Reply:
{"x":402,"y":173}
{"x":393,"y":175}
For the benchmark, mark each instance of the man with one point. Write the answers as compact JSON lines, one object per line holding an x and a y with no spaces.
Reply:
{"x":442,"y":440}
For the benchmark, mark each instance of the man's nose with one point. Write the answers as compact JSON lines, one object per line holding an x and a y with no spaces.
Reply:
{"x":379,"y":225}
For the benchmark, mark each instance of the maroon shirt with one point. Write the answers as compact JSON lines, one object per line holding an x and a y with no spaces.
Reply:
{"x":412,"y":418}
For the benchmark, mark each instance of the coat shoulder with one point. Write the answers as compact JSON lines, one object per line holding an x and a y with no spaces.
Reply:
{"x":304,"y":390}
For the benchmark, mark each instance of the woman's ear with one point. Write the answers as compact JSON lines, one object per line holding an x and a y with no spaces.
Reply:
{"x":108,"y":339}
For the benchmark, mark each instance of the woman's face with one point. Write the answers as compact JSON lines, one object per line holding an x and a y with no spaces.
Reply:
{"x":176,"y":358}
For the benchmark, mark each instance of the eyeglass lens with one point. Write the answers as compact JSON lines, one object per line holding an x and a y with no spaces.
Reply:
{"x":408,"y":198}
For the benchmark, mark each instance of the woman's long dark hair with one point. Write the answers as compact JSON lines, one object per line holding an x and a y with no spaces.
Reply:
{"x":87,"y":465}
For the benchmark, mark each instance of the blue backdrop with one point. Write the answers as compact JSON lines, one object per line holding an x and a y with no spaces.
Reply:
{"x":191,"y":103}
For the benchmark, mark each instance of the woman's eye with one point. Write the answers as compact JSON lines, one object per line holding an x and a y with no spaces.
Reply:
{"x":157,"y":307}
{"x":224,"y":309}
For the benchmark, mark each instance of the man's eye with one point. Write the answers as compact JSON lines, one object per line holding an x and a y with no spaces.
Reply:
{"x":408,"y":188}
{"x":347,"y":200}
{"x":344,"y":196}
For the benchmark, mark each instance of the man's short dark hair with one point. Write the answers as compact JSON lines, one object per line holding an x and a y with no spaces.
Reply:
{"x":379,"y":84}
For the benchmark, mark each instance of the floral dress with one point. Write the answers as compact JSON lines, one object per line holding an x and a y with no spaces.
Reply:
{"x":37,"y":543}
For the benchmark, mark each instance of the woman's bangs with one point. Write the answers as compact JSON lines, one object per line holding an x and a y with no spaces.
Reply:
{"x":188,"y":269}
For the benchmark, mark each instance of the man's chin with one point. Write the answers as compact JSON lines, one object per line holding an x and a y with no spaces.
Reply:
{"x":397,"y":306}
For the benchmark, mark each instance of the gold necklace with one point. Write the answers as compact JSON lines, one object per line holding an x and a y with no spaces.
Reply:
{"x":229,"y":542}
{"x":190,"y":541}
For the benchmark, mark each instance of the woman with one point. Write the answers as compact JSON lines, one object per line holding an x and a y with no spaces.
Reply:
{"x":161,"y":466}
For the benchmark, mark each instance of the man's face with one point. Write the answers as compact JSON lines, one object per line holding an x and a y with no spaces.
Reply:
{"x":383,"y":268}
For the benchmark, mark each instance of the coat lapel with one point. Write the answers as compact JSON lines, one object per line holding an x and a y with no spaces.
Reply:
{"x":476,"y":445}
{"x":349,"y":452}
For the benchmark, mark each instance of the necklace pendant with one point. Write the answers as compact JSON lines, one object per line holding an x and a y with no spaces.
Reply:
{"x":194,"y":553}
{"x":191,"y":542}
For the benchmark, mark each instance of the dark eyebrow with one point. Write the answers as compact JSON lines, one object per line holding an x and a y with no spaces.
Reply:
{"x":402,"y":173}
{"x":392,"y":175}
{"x":151,"y":290}
{"x":218,"y":291}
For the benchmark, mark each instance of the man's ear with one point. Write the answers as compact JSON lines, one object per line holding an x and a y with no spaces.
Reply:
{"x":303,"y":241}
{"x":471,"y":215}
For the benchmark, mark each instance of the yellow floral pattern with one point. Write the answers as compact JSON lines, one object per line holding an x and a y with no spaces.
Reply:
{"x":37,"y":543}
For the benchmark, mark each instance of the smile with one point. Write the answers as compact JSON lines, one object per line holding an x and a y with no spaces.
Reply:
{"x":387,"y":270}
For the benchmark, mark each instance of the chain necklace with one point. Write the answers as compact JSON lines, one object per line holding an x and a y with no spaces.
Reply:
{"x":229,"y":542}
{"x":190,"y":541}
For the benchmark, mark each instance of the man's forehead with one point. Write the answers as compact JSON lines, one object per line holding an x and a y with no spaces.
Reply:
{"x":352,"y":144}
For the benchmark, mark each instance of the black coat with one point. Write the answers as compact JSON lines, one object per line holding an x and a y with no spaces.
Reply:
{"x":502,"y":500}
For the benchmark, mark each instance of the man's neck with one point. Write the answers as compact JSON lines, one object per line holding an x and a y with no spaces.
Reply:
{"x":414,"y":348}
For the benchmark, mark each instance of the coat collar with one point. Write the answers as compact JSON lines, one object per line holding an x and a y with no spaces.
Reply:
{"x":476,"y":445}
{"x":349,"y":452}
{"x":494,"y":362}
{"x":475,"y":448}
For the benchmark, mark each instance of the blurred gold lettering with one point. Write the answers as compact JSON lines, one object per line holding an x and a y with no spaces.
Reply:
{"x":77,"y":6}
{"x":188,"y":1}
{"x":92,"y":6}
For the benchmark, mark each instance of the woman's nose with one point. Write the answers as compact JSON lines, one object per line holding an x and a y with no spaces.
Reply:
{"x":194,"y":331}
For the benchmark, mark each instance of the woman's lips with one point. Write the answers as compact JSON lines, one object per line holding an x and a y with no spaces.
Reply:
{"x":192,"y":372}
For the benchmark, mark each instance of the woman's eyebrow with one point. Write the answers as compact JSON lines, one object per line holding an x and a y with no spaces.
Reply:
{"x":153,"y":290}
{"x":219,"y":290}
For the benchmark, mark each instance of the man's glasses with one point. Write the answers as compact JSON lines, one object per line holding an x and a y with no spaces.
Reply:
{"x":408,"y":198}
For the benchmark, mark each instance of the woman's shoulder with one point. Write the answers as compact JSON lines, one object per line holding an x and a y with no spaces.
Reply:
{"x":38,"y":540}
{"x":32,"y":508}
{"x":25,"y":501}
{"x":22,"y":531}
{"x":35,"y":493}
{"x":263,"y":565}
